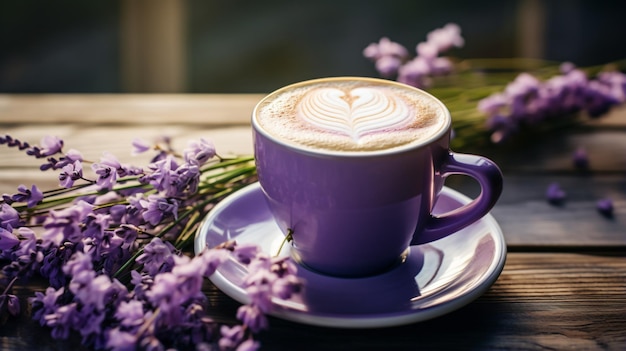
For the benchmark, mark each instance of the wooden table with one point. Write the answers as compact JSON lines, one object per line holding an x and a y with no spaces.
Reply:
{"x":564,"y":282}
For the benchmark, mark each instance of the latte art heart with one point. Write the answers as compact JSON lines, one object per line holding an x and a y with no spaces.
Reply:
{"x":356,"y":112}
{"x":350,"y":114}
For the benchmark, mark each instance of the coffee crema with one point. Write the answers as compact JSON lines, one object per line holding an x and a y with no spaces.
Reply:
{"x":350,"y":114}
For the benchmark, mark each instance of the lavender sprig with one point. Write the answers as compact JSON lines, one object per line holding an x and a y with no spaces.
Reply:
{"x":528,"y":101}
{"x":111,"y":244}
{"x":393,"y":60}
{"x":491,"y":100}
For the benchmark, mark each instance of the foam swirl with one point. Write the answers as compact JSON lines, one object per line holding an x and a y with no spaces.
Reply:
{"x":356,"y":112}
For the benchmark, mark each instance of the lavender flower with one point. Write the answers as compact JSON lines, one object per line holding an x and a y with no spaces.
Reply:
{"x":45,"y":303}
{"x":185,"y":180}
{"x":267,"y":277}
{"x":415,"y":73}
{"x":392,"y":58}
{"x":61,"y":321}
{"x":65,"y":224}
{"x":387,"y":55}
{"x":231,"y":337}
{"x":199,"y":152}
{"x":175,"y":180}
{"x":79,"y":262}
{"x":8,"y":240}
{"x":160,"y":175}
{"x":87,"y":242}
{"x":118,"y":340}
{"x":385,"y":47}
{"x":130,"y":313}
{"x":9,"y":217}
{"x":12,"y":142}
{"x":245,"y":253}
{"x":581,"y":159}
{"x":447,"y":37}
{"x":50,"y":145}
{"x":141,"y":283}
{"x":156,"y":254}
{"x":26,"y":257}
{"x":388,"y":66}
{"x":157,"y":208}
{"x":70,"y":157}
{"x":106,"y":175}
{"x":605,"y":207}
{"x":527,"y":101}
{"x":11,"y":302}
{"x":30,"y":196}
{"x":249,"y":345}
{"x":253,"y":317}
{"x":71,"y":173}
{"x":140,"y":146}
{"x":555,"y":194}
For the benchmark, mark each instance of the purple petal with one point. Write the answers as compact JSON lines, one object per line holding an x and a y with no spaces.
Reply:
{"x":388,"y":66}
{"x":580,"y":158}
{"x":9,"y":217}
{"x":50,"y":145}
{"x":35,"y":196}
{"x":8,"y":240}
{"x":13,"y":305}
{"x":555,"y":194}
{"x":252,"y":317}
{"x":605,"y":207}
{"x":140,"y":146}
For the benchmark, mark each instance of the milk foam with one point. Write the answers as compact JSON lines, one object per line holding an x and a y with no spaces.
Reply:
{"x":350,"y":115}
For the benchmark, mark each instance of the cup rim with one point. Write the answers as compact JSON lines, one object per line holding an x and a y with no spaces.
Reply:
{"x":445,"y":128}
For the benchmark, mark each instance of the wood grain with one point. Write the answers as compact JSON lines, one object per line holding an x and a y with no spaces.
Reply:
{"x":108,"y":122}
{"x":563,"y":286}
{"x":541,"y":301}
{"x":124,"y":109}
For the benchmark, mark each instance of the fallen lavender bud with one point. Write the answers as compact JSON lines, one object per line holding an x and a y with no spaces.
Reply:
{"x":581,"y":159}
{"x":555,"y":194}
{"x":605,"y":207}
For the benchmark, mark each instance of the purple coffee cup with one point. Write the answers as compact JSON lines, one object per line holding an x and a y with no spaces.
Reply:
{"x":355,"y":213}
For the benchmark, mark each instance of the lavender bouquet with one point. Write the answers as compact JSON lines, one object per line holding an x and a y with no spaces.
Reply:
{"x":110,"y":243}
{"x":492,"y":100}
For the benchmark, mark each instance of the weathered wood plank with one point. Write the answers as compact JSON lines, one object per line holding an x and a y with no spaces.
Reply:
{"x":554,"y":153}
{"x":92,"y":141}
{"x":124,"y":109}
{"x":541,"y":301}
{"x":529,"y":221}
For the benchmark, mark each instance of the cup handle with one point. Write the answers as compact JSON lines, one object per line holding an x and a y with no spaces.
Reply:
{"x":488,"y":175}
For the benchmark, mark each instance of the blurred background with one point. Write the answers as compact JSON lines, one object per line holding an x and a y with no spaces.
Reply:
{"x":248,"y":46}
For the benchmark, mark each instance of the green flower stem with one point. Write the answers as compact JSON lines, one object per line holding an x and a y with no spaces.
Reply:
{"x":59,"y":191}
{"x":53,"y":201}
{"x":162,"y":232}
{"x":181,"y":241}
{"x":194,"y":213}
{"x":288,"y":238}
{"x":227,"y":162}
{"x":227,"y":176}
{"x":188,"y":232}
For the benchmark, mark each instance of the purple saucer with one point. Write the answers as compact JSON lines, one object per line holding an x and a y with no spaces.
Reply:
{"x":435,"y":278}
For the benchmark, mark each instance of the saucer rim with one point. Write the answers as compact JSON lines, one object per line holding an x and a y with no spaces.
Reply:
{"x":281,"y":307}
